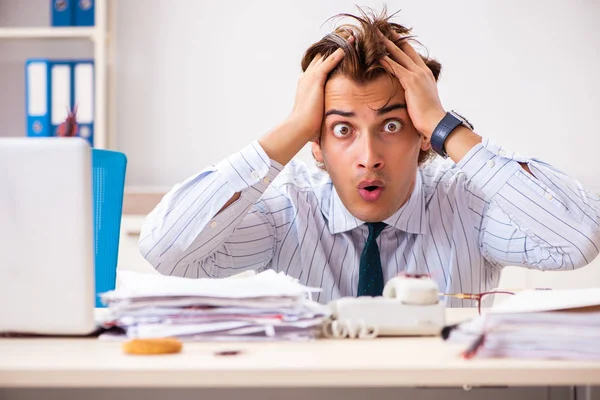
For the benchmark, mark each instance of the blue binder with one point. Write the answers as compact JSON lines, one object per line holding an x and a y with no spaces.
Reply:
{"x":84,"y":12}
{"x":62,"y":12}
{"x":61,"y":92}
{"x":37,"y":97}
{"x":55,"y":87}
{"x":83,"y":84}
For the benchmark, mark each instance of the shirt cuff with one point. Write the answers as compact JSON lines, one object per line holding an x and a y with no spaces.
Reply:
{"x":251,"y":168}
{"x":488,"y":167}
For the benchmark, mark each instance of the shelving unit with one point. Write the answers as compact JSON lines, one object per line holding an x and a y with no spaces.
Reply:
{"x":48,"y":33}
{"x":98,"y":35}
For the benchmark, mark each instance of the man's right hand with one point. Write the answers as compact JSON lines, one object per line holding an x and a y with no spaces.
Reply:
{"x":304,"y":123}
{"x":310,"y":93}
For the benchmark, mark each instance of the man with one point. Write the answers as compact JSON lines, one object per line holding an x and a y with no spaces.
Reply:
{"x":376,"y":206}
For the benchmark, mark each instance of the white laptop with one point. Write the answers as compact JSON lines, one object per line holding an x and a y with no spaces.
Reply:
{"x":46,"y":236}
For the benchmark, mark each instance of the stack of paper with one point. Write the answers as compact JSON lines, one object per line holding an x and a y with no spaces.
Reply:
{"x":556,"y":324}
{"x":265,"y":306}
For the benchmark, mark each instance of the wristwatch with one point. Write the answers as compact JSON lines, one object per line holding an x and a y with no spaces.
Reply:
{"x":451,"y":120}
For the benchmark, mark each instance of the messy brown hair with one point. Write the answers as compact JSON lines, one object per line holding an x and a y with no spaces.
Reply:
{"x":361,"y":63}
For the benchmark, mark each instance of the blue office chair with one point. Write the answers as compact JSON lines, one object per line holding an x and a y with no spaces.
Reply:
{"x":108,"y":170}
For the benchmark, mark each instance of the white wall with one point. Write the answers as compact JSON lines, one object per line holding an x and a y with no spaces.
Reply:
{"x":197,"y":80}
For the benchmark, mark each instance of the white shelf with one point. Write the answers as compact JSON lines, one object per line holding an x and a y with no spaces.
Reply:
{"x":48,"y":33}
{"x":98,"y":35}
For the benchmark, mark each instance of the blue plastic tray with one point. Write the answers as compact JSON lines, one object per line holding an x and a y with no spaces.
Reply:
{"x":108,"y":170}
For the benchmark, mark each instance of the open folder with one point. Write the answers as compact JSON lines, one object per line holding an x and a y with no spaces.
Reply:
{"x":554,"y":324}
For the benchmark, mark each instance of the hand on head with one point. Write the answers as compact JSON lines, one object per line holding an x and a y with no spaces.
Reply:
{"x":309,"y":102}
{"x":420,"y":87}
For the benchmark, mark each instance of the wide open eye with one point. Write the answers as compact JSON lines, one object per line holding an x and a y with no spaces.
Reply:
{"x":341,"y":130}
{"x":392,"y":126}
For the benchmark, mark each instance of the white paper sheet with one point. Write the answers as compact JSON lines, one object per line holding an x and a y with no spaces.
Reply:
{"x":265,"y":284}
{"x":548,"y":300}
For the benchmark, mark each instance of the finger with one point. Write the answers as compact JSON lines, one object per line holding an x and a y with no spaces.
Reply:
{"x":394,"y":68}
{"x":332,"y":61}
{"x":412,"y":53}
{"x":407,"y":48}
{"x":318,"y":62}
{"x":397,"y":54}
{"x":314,"y":60}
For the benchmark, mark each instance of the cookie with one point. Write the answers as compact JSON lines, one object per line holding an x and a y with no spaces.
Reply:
{"x":152,"y":346}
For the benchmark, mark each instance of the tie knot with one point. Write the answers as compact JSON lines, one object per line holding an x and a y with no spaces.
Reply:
{"x":375,"y":229}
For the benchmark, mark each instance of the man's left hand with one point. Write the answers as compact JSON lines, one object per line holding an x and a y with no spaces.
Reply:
{"x":422,"y":99}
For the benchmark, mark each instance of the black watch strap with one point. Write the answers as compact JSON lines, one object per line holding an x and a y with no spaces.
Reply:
{"x":442,"y":131}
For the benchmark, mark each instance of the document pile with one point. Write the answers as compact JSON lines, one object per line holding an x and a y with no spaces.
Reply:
{"x":264,"y":306}
{"x":555,"y":324}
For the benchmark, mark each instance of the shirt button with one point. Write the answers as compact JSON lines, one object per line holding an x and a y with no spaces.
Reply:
{"x":213,"y":224}
{"x":266,"y":180}
{"x":549,"y":196}
{"x":254,"y":174}
{"x":491,"y":163}
{"x":502,"y":153}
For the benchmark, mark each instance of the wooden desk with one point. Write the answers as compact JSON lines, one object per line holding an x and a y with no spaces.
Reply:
{"x":71,"y":363}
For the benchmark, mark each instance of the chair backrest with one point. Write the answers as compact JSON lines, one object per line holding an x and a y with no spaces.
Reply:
{"x":108,"y":170}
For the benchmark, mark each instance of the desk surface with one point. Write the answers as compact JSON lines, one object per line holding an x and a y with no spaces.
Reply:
{"x":325,"y":363}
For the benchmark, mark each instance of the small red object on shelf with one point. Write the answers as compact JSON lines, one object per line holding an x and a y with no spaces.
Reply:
{"x":70,"y":127}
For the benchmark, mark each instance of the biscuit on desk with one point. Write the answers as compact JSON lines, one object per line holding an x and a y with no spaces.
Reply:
{"x":152,"y":346}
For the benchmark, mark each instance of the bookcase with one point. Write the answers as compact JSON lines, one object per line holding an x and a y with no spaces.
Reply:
{"x":25,"y":32}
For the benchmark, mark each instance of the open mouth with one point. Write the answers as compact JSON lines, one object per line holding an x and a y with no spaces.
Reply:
{"x":371,"y":191}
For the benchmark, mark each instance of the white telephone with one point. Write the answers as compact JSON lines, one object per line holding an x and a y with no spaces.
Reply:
{"x":410,"y":306}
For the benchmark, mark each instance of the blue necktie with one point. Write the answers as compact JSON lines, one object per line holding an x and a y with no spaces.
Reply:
{"x":370,"y":276}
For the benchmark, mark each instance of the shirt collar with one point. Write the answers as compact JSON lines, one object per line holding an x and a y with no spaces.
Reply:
{"x":409,"y":218}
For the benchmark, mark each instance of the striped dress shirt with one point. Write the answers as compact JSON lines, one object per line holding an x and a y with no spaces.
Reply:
{"x":463,"y":222}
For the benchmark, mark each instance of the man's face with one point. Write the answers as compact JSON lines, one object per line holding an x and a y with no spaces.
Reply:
{"x":369,"y":146}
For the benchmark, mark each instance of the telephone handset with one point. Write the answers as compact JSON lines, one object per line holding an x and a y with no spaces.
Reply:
{"x":410,"y":306}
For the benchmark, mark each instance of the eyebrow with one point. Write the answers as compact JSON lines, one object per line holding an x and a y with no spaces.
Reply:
{"x":388,"y":109}
{"x":338,"y":112}
{"x":381,"y":111}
